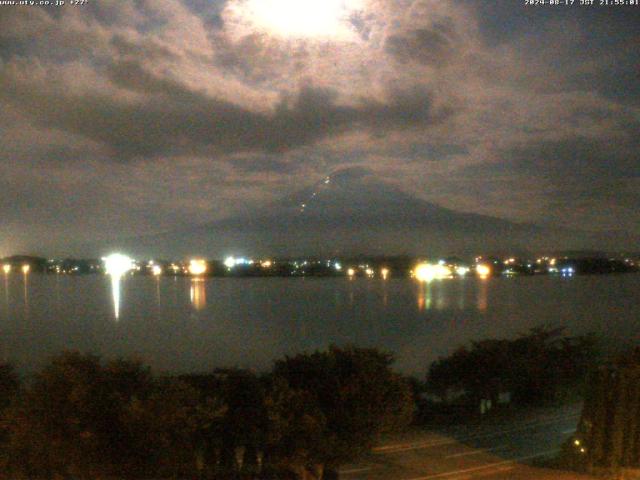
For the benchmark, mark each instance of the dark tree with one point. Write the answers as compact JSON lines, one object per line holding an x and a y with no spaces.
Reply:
{"x":295,"y":440}
{"x":534,"y":368}
{"x":80,"y":419}
{"x":357,"y":393}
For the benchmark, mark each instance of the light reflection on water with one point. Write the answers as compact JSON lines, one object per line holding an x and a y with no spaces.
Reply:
{"x":115,"y":292}
{"x":482,"y":294}
{"x":25,"y":290}
{"x":6,"y":290}
{"x":449,"y":294}
{"x":198,"y":293}
{"x":181,"y":324}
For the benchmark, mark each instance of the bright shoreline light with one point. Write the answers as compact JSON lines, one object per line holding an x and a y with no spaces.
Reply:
{"x":6,"y":268}
{"x":26,"y":268}
{"x":483,"y":270}
{"x":197,"y":267}
{"x":117,"y":264}
{"x":425,"y":272}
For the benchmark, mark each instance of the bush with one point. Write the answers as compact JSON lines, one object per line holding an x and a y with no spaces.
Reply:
{"x":85,"y":420}
{"x":534,"y":368}
{"x":355,"y":394}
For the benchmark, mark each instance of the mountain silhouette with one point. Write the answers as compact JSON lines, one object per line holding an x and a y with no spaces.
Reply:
{"x":352,"y":212}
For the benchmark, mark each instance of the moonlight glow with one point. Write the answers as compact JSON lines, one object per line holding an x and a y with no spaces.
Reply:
{"x":299,"y":18}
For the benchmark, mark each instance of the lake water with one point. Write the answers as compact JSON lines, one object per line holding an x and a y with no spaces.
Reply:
{"x":181,"y":325}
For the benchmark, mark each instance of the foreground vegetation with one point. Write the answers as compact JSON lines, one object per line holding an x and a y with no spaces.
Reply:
{"x":83,"y":418}
{"x":80,"y":418}
{"x":541,"y":366}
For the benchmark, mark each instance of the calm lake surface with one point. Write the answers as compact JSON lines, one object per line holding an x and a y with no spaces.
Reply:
{"x":181,"y":325}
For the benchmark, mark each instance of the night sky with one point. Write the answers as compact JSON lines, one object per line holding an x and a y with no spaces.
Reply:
{"x":127,"y":118}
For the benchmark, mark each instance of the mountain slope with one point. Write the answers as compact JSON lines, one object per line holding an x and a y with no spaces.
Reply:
{"x":352,"y":212}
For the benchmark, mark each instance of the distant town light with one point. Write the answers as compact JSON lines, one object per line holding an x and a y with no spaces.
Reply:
{"x":337,"y":266}
{"x":231,"y":262}
{"x":156,"y":270}
{"x":26,"y":268}
{"x":462,"y":271}
{"x":351,"y":272}
{"x":266,"y":264}
{"x":384,"y":273}
{"x":369,"y":272}
{"x":197,"y":267}
{"x":117,"y":264}
{"x":6,"y":268}
{"x":483,"y":270}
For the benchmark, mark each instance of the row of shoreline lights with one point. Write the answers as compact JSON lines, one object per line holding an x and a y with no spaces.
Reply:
{"x":118,"y":265}
{"x":426,"y":272}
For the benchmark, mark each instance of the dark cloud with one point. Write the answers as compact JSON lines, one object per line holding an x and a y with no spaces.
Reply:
{"x":505,"y":20}
{"x":361,"y":22}
{"x":256,"y":57}
{"x":265,"y":164}
{"x":173,"y":119}
{"x":210,"y":11}
{"x":593,"y":47}
{"x":579,"y":158}
{"x":429,"y":46}
{"x":137,"y":51}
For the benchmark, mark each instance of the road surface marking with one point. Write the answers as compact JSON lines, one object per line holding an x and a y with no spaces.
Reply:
{"x":485,"y":467}
{"x":478,"y":451}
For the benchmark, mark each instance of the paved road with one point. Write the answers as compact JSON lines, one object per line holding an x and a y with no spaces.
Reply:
{"x":495,"y":448}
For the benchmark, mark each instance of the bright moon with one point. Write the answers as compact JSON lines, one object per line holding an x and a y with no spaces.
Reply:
{"x":301,"y":18}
